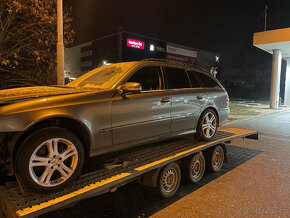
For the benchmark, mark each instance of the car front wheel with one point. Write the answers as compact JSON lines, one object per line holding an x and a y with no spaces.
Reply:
{"x":48,"y":160}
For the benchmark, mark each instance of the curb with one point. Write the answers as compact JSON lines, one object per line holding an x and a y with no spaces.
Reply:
{"x":254,"y":117}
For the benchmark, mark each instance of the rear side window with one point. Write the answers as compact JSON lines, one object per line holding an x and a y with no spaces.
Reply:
{"x":207,"y":80}
{"x":148,"y":77}
{"x":193,"y":80}
{"x":176,"y":78}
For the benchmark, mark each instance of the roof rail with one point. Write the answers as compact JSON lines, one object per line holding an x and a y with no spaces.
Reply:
{"x":156,"y":59}
{"x":175,"y":62}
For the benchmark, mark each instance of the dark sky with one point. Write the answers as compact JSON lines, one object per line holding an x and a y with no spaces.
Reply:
{"x":213,"y":25}
{"x":221,"y":26}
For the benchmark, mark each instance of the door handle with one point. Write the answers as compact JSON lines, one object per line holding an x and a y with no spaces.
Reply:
{"x":165,"y":100}
{"x":199,"y":97}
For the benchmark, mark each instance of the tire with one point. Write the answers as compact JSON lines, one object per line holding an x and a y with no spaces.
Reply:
{"x":42,"y":168}
{"x":207,"y":125}
{"x":215,"y":158}
{"x":195,"y":168}
{"x":169,"y":180}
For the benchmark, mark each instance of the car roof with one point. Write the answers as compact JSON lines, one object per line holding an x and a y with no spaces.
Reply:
{"x":169,"y":63}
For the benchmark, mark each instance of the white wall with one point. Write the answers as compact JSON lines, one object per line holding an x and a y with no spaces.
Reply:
{"x":72,"y":60}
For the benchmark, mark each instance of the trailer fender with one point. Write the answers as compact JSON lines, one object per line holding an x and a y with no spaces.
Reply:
{"x":150,"y":179}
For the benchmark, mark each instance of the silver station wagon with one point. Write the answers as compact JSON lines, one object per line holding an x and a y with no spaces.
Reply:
{"x":46,"y":133}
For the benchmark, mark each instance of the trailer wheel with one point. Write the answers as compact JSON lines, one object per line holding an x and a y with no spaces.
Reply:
{"x":169,"y":180}
{"x":215,"y":158}
{"x":196,"y":167}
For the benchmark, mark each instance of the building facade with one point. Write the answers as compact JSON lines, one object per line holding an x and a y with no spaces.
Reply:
{"x":124,"y":46}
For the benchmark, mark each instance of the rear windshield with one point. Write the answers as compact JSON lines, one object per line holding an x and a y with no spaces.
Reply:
{"x":207,"y":81}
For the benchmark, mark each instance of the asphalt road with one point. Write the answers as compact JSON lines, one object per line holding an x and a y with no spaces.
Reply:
{"x":255,"y":182}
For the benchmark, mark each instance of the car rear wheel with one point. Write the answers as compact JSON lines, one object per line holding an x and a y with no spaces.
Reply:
{"x":207,"y":125}
{"x":49,"y":159}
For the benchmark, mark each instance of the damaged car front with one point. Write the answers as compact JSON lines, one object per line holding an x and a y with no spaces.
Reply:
{"x":6,"y":138}
{"x":17,"y":107}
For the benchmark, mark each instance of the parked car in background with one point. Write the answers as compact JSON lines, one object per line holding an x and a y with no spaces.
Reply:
{"x":46,"y":133}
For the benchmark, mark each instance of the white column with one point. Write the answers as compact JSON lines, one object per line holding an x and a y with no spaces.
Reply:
{"x":287,"y":84}
{"x":275,"y":80}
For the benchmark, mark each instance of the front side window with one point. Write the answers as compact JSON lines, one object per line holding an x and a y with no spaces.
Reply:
{"x":207,"y":80}
{"x":176,"y":78}
{"x":148,"y":77}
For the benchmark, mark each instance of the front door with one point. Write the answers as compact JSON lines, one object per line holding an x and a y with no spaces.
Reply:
{"x":144,"y":116}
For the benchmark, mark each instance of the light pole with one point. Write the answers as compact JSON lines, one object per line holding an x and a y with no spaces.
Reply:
{"x":60,"y":46}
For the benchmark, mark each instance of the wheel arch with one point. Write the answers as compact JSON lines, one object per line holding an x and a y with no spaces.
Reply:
{"x":75,"y":126}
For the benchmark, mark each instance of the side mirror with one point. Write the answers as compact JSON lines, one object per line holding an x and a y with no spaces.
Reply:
{"x":129,"y":88}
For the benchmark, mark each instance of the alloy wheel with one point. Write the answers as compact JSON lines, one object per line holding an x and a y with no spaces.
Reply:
{"x":53,"y":162}
{"x":209,"y":124}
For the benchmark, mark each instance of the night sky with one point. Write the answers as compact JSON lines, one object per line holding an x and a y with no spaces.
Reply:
{"x":225,"y":27}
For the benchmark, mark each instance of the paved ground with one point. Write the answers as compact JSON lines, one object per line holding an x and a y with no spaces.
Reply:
{"x":256,"y":108}
{"x":254,"y":183}
{"x":277,"y":124}
{"x":258,"y":188}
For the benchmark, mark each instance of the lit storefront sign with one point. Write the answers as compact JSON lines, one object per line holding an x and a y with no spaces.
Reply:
{"x":135,"y":43}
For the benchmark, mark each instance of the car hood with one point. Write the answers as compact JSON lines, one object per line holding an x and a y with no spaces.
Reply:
{"x":27,"y":93}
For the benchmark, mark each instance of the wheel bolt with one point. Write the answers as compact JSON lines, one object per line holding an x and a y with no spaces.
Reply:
{"x":54,"y":156}
{"x":60,"y":158}
{"x":49,"y":161}
{"x":51,"y":167}
{"x":58,"y":165}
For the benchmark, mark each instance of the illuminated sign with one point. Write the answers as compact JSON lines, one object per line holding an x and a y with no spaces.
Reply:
{"x":217,"y":59}
{"x":135,"y":43}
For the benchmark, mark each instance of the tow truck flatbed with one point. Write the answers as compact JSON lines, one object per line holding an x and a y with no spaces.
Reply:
{"x":15,"y":203}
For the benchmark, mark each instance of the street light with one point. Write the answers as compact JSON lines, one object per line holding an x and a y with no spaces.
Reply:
{"x":60,"y":46}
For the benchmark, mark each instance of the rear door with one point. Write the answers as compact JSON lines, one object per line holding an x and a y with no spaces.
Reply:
{"x":187,"y":97}
{"x":141,"y":117}
{"x":217,"y":96}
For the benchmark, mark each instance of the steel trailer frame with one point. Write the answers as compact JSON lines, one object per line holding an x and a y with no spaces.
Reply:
{"x":15,"y":203}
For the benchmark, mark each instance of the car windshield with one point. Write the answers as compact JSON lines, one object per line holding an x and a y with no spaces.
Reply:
{"x":103,"y":77}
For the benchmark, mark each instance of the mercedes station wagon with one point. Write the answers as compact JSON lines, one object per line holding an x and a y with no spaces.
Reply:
{"x":46,"y":133}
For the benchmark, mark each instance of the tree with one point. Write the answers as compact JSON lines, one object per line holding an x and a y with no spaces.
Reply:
{"x":28,"y":36}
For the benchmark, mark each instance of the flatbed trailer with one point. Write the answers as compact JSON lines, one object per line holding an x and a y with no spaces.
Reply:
{"x":142,"y":164}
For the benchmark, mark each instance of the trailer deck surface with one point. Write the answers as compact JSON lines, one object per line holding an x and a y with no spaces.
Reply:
{"x":135,"y":163}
